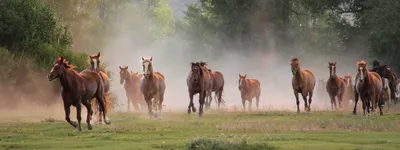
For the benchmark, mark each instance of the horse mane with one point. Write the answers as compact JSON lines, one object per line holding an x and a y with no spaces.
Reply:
{"x":65,"y":63}
{"x":295,"y":59}
{"x":199,"y":65}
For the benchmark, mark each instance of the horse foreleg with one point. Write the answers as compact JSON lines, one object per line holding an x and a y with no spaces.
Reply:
{"x":160,"y":101}
{"x":250,"y":104}
{"x":364,"y":105}
{"x":191,"y":105}
{"x":257,"y":101}
{"x":201,"y":102}
{"x":89,"y":113}
{"x":296,"y":94}
{"x":332,"y":97}
{"x":101,"y":99}
{"x":78,"y":115}
{"x":149,"y":106}
{"x":67,"y":110}
{"x":304,"y":94}
{"x":129,"y":103}
{"x":355,"y":102}
{"x":310,"y":100}
{"x":244,"y":104}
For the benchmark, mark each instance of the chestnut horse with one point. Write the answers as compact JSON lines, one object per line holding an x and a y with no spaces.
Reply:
{"x":349,"y":92}
{"x":335,"y":86}
{"x":218,"y":82}
{"x":152,"y":85}
{"x":95,"y":66}
{"x":78,"y":88}
{"x":249,"y":89}
{"x":132,"y":88}
{"x":198,"y":81}
{"x":369,"y":88}
{"x":303,"y":82}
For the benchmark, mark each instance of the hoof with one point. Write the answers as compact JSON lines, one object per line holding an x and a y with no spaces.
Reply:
{"x":89,"y":126}
{"x":108,"y":122}
{"x":193,"y":110}
{"x":78,"y":130}
{"x":75,"y":124}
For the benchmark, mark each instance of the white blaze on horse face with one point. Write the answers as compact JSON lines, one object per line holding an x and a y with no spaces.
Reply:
{"x":361,"y":73}
{"x":52,"y":69}
{"x":146,"y":67}
{"x":332,"y":73}
{"x":95,"y":64}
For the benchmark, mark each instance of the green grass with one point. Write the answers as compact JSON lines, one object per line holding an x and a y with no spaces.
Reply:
{"x":234,"y":130}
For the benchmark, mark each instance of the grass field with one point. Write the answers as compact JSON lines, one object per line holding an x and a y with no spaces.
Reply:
{"x":224,"y":130}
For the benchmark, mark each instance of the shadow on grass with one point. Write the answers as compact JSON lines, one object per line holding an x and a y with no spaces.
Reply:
{"x":212,"y":144}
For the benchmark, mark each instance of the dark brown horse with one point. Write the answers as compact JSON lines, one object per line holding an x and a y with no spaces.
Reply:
{"x":218,"y":83}
{"x":335,"y":86}
{"x":249,"y":89}
{"x":95,"y":66}
{"x":78,"y":88}
{"x":385,"y":72}
{"x":132,"y":88}
{"x":198,"y":81}
{"x":369,"y":88}
{"x":303,"y":82}
{"x":152,"y":86}
{"x":349,"y":92}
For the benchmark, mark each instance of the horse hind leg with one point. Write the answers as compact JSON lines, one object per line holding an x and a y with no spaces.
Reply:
{"x":201,"y":103}
{"x":89,"y":113}
{"x":305,"y":102}
{"x":160,"y":102}
{"x":310,"y":100}
{"x":78,"y":115}
{"x":190,"y":106}
{"x":355,"y":102}
{"x":258,"y":101}
{"x":100,"y":98}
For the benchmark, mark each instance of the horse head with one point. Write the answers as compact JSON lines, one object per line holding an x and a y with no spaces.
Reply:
{"x":242,"y":81}
{"x":95,"y":61}
{"x":147,"y":66}
{"x":197,"y":72}
{"x":58,"y":69}
{"x":295,"y":66}
{"x":123,"y":74}
{"x":332,"y":69}
{"x":362,"y":70}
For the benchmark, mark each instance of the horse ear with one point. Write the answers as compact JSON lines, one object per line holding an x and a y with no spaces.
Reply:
{"x":61,"y":59}
{"x":335,"y":63}
{"x":98,"y":54}
{"x":151,"y":58}
{"x":126,"y":67}
{"x":120,"y":67}
{"x":240,"y":75}
{"x":142,"y":58}
{"x":245,"y":75}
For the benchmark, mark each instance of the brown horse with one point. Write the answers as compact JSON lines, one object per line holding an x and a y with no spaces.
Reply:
{"x":152,"y":86}
{"x":132,"y":88}
{"x":303,"y":82}
{"x":249,"y":89}
{"x":335,"y":86}
{"x":95,"y":66}
{"x":198,"y":81}
{"x":78,"y":88}
{"x":218,"y":82}
{"x":349,"y":92}
{"x":369,"y":88}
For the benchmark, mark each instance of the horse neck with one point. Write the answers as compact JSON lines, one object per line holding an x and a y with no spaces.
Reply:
{"x":299,"y":75}
{"x":245,"y":85}
{"x":65,"y":79}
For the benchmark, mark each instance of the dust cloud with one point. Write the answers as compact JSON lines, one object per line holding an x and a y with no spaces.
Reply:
{"x":172,"y":58}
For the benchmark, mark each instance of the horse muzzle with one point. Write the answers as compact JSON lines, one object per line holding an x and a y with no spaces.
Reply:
{"x":50,"y":77}
{"x":294,"y":72}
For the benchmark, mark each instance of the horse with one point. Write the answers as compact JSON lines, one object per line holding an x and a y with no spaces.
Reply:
{"x":303,"y":81}
{"x":385,"y":72}
{"x":335,"y":86}
{"x":132,"y":88}
{"x":386,"y":95}
{"x":198,"y":81}
{"x":152,"y":85}
{"x":369,"y":88}
{"x":249,"y":89}
{"x":95,"y":66}
{"x":78,"y":88}
{"x":349,"y":92}
{"x":218,"y":83}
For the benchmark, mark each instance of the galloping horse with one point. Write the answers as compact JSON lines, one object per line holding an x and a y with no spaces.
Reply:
{"x":198,"y":81}
{"x":132,"y":88}
{"x":349,"y":92}
{"x":249,"y":89}
{"x":385,"y":72}
{"x":335,"y":86}
{"x":369,"y":88}
{"x":218,"y":82}
{"x":303,"y":82}
{"x":95,"y":66}
{"x":152,"y":86}
{"x":78,"y":88}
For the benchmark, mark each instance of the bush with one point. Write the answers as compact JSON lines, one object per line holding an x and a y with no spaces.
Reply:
{"x":212,"y":144}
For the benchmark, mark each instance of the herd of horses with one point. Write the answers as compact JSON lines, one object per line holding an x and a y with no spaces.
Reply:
{"x":374,"y":87}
